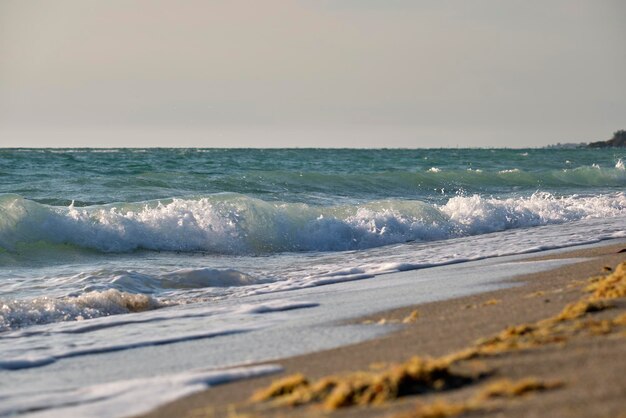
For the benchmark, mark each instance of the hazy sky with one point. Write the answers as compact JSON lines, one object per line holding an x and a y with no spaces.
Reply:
{"x":373,"y":73}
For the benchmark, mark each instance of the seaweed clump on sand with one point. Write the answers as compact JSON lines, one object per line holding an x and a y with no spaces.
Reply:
{"x":500,"y":389}
{"x":612,"y":286}
{"x":567,"y":323}
{"x":437,"y":409}
{"x":507,"y":388}
{"x":418,"y":375}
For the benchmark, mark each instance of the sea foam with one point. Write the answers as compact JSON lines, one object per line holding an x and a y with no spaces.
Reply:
{"x":238,"y":224}
{"x":19,"y":313}
{"x":127,"y":397}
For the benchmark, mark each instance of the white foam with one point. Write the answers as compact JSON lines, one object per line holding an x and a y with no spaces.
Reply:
{"x":19,"y":313}
{"x":279,"y":306}
{"x":124,"y":398}
{"x":14,"y":360}
{"x":478,"y":215}
{"x":241,"y":225}
{"x":67,"y":340}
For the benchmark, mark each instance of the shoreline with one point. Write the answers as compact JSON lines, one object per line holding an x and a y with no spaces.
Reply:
{"x":446,"y":326}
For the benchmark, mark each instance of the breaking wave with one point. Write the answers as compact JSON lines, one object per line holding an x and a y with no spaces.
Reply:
{"x":25,"y":312}
{"x":238,"y":224}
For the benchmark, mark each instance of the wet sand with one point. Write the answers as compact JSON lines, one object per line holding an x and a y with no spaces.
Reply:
{"x":590,"y":368}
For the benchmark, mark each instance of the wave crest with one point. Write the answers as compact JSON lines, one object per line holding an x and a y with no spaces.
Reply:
{"x":237,"y":224}
{"x":25,"y":312}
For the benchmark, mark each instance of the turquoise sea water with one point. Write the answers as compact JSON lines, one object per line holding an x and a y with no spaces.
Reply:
{"x":311,"y":176}
{"x":87,"y":233}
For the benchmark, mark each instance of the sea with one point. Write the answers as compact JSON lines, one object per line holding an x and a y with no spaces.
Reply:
{"x":126,"y":273}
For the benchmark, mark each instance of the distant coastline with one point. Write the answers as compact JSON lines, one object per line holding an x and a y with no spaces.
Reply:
{"x":617,"y":141}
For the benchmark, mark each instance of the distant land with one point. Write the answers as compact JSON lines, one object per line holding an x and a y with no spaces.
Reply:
{"x":618,"y":140}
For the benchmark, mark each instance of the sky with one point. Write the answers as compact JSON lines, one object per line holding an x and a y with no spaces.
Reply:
{"x":310,"y":73}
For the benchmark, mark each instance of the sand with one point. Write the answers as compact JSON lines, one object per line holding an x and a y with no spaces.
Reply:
{"x":582,"y":375}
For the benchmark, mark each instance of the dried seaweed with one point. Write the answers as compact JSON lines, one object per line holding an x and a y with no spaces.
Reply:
{"x":418,"y":375}
{"x":506,"y":388}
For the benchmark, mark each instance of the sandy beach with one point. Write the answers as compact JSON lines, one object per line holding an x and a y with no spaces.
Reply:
{"x":578,"y":374}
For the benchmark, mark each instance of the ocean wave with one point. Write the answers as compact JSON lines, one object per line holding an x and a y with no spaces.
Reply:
{"x":429,"y":178}
{"x":26,"y":312}
{"x":180,"y":279}
{"x":113,"y":292}
{"x":238,"y":224}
